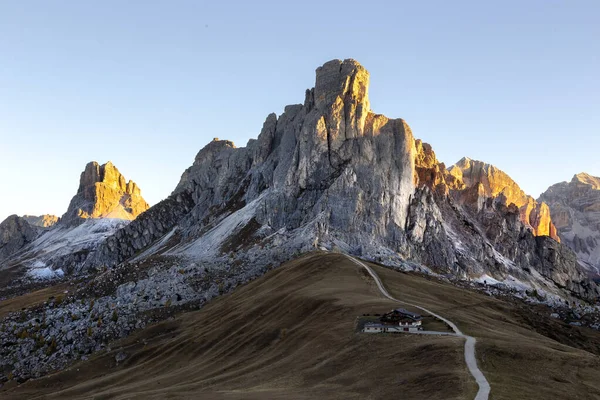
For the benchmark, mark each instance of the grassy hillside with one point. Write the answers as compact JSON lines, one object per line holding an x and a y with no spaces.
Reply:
{"x":290,"y":335}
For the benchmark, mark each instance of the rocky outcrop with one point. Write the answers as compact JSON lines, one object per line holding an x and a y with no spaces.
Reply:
{"x":331,"y":173}
{"x":575,"y":209}
{"x":490,"y":182}
{"x":15,"y":233}
{"x":42,"y":221}
{"x":104,"y":193}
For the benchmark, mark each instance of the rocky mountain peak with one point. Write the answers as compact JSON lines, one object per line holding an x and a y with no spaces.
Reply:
{"x":587,"y":179}
{"x":575,"y":208}
{"x":493,"y":183}
{"x":15,"y":233}
{"x":104,"y":193}
{"x":42,"y":221}
{"x":346,"y":79}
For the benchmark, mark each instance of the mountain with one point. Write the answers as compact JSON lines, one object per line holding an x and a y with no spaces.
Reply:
{"x":331,"y":173}
{"x":42,"y":221}
{"x":575,"y":209}
{"x":46,"y":248}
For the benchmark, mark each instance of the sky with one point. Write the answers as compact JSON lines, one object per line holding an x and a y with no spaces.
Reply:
{"x":146,"y":84}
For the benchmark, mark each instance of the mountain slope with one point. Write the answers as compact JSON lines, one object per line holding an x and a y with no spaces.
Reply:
{"x":291,"y":335}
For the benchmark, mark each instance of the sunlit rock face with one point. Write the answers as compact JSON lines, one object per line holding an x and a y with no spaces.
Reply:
{"x":330,"y":173}
{"x":42,"y":221}
{"x":15,"y":233}
{"x":104,"y":193}
{"x":470,"y":222}
{"x":494,"y":183}
{"x":575,"y":209}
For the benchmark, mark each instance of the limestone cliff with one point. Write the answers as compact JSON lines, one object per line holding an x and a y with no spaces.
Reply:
{"x":331,"y":173}
{"x":575,"y":209}
{"x":104,"y":193}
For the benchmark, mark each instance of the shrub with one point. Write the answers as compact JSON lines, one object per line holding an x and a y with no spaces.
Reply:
{"x":51,"y":347}
{"x":114,"y":317}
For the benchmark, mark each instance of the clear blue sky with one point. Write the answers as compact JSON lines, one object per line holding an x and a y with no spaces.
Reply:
{"x":146,"y":84}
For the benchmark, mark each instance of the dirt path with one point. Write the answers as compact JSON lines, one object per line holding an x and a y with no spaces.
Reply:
{"x":484,"y":387}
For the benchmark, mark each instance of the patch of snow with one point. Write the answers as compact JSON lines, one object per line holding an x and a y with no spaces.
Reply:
{"x":60,"y":241}
{"x":45,"y":273}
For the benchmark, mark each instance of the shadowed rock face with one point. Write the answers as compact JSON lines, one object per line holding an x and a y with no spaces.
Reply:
{"x":15,"y":233}
{"x":331,"y":173}
{"x":575,"y":208}
{"x":103,"y":193}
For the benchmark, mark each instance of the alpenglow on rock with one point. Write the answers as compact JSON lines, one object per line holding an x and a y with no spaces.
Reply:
{"x":331,"y":173}
{"x":103,"y":193}
{"x":575,"y":209}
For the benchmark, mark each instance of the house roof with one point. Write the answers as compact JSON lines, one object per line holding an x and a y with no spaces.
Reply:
{"x":408,"y":313}
{"x":373,"y":325}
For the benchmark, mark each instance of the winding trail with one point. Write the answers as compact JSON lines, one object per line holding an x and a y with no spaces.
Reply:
{"x":484,"y":387}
